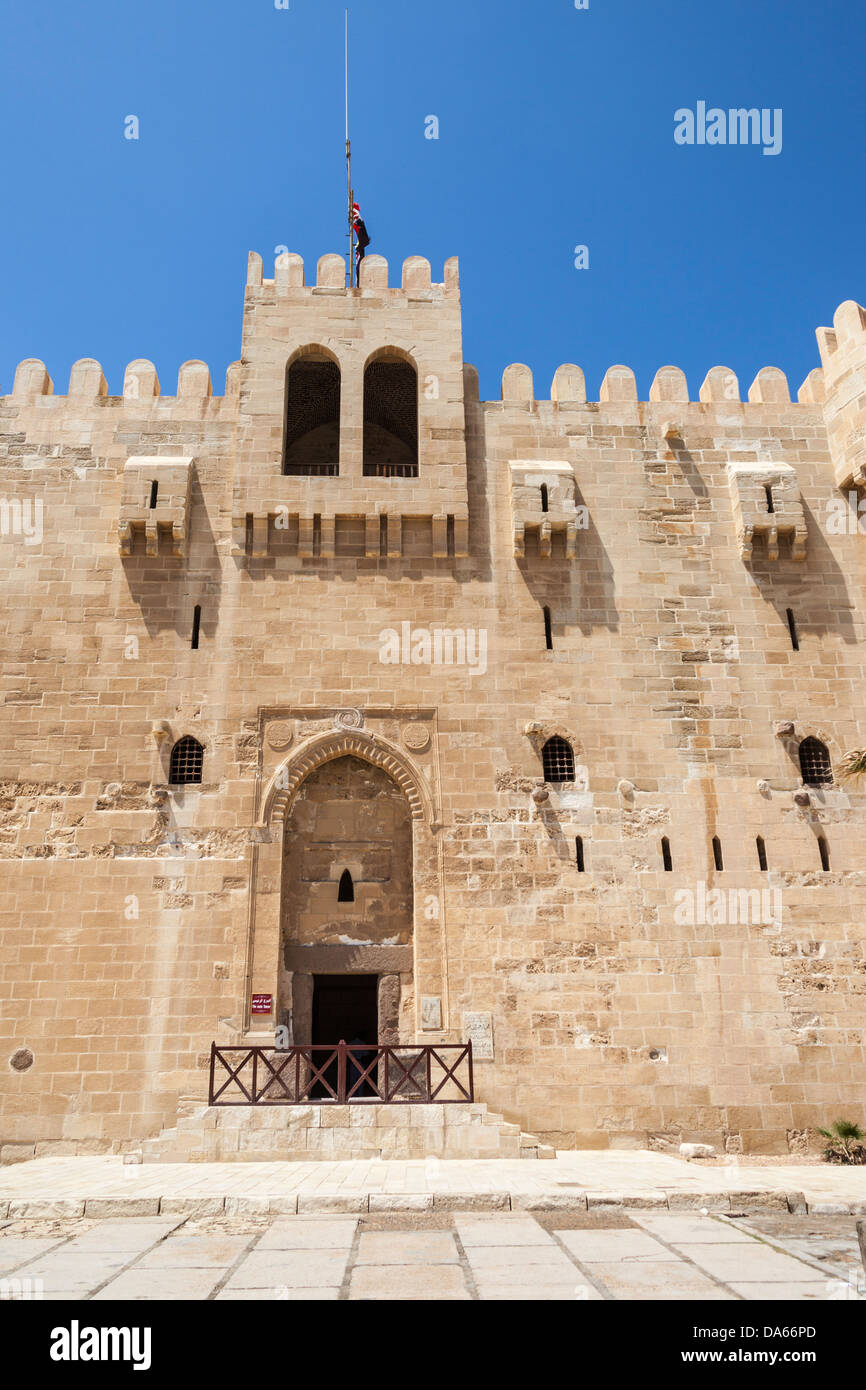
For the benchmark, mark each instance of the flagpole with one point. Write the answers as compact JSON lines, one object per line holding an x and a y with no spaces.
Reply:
{"x":349,"y":166}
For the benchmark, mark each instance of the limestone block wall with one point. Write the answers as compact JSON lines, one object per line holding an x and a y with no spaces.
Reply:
{"x":628,"y":1002}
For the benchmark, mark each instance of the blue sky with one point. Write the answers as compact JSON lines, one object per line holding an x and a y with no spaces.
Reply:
{"x":556,"y":129}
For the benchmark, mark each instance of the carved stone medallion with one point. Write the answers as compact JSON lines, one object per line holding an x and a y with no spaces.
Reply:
{"x":349,"y":719}
{"x":280,"y":735}
{"x":416,"y":737}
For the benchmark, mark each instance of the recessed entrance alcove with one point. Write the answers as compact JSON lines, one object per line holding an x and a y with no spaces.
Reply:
{"x":346,"y":959}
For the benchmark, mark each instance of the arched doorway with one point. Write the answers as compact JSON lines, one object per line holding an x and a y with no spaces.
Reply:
{"x":346,"y":915}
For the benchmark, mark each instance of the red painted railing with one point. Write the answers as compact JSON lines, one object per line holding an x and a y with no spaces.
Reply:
{"x":342,"y":1074}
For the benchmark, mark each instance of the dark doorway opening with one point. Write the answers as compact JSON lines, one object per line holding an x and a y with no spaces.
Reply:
{"x":345,"y":1009}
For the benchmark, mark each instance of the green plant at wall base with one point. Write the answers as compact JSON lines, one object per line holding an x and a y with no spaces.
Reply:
{"x":844,"y":1142}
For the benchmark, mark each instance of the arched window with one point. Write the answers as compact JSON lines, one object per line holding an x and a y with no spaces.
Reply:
{"x":815,"y":766}
{"x":346,"y":891}
{"x":558,"y":760}
{"x":187,"y":760}
{"x":312,"y":441}
{"x":390,"y":419}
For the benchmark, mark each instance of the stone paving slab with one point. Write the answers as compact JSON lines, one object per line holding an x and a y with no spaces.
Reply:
{"x":156,"y":1284}
{"x":126,"y":1234}
{"x":517,"y":1258}
{"x":765,"y":1264}
{"x":590,"y":1246}
{"x":686,"y":1229}
{"x":312,"y":1233}
{"x":667,"y":1279}
{"x":71,"y":1270}
{"x":411,"y":1256}
{"x":541,"y":1293}
{"x":407,"y":1248}
{"x":409,"y":1282}
{"x":291,"y":1269}
{"x":194,"y":1252}
{"x":18,"y":1250}
{"x":799,"y":1292}
{"x":505,"y":1230}
{"x":228,"y":1295}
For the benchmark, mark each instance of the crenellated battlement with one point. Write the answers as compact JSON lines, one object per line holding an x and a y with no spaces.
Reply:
{"x":331,"y":275}
{"x":619,"y":387}
{"x":140,"y":383}
{"x":368,"y":386}
{"x":843,"y":354}
{"x":842,"y":349}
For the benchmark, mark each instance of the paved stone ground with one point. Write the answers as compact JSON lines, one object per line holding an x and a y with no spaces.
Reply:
{"x":573,"y":1181}
{"x":652,"y":1255}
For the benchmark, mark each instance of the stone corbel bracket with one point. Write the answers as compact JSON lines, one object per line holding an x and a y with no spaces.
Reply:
{"x":542,"y":499}
{"x":156,"y":493}
{"x":766,"y":502}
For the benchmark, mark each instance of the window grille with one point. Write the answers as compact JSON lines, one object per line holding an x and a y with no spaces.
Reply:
{"x":187,"y":761}
{"x":558,"y":760}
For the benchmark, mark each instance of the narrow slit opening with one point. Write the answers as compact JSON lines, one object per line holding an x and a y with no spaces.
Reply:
{"x":717,"y":854}
{"x":667,"y":861}
{"x":581,"y":862}
{"x":762,"y":854}
{"x":196,"y":626}
{"x":548,"y":631}
{"x":824,"y":851}
{"x":792,"y":628}
{"x":154,"y":489}
{"x":768,"y":491}
{"x":545,"y":504}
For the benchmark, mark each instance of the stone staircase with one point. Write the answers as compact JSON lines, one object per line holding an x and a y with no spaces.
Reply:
{"x":268,"y":1133}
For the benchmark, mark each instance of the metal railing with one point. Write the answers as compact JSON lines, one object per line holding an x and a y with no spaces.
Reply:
{"x":341,"y":1074}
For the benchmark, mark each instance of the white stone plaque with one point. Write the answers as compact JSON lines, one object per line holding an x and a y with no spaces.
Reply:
{"x":431,"y":1012}
{"x":478,"y":1029}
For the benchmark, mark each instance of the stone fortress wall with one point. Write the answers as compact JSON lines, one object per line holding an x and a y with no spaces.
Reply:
{"x":639,"y":608}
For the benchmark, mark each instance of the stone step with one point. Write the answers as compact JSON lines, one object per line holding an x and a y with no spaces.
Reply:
{"x":309,"y":1132}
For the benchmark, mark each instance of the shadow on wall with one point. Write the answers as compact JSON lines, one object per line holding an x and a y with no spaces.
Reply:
{"x":584,"y":588}
{"x":167,"y":588}
{"x":816,"y":590}
{"x":688,"y":468}
{"x":480,"y":500}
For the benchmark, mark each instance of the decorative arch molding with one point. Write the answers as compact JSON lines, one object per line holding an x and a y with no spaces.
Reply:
{"x":328,"y":349}
{"x":324,"y":748}
{"x":823,"y":735}
{"x":394,"y":350}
